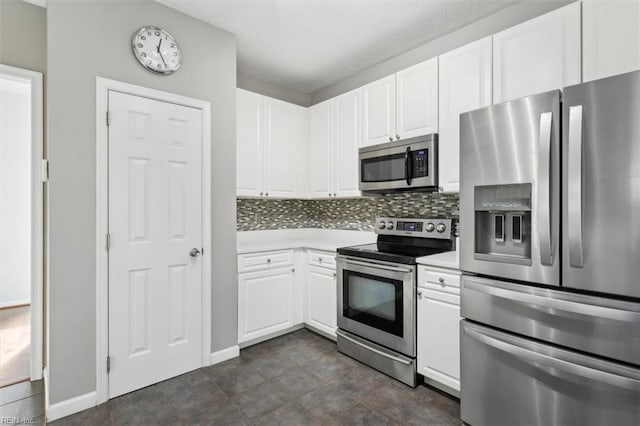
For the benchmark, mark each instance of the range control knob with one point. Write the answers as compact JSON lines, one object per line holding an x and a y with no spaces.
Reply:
{"x":430,"y":227}
{"x":389,"y":225}
{"x":382,"y":225}
{"x":441,"y":227}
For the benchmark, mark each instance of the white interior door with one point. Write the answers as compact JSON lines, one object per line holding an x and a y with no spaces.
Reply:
{"x":155,"y":220}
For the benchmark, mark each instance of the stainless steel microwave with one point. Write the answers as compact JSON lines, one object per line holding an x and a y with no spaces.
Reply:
{"x":404,"y":165}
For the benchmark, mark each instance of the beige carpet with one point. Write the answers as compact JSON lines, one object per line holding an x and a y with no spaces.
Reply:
{"x":15,"y":339}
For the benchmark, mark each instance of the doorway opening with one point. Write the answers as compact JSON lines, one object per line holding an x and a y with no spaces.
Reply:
{"x":21,"y":226}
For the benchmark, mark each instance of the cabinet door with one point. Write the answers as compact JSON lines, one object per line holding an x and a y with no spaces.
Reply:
{"x":417,"y":100}
{"x":465,"y":85}
{"x":439,"y":337}
{"x":265,"y":302}
{"x":537,"y":56}
{"x":348,"y":131}
{"x":610,"y":38}
{"x":321,"y":299}
{"x":249,"y":152}
{"x":282,"y":133}
{"x":320,"y":152}
{"x":378,"y":108}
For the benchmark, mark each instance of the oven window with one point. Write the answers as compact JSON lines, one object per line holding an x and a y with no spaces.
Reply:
{"x":374,"y":301}
{"x":383,"y":169}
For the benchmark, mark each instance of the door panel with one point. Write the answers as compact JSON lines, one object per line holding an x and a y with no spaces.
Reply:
{"x":379,"y":111}
{"x":155,"y":205}
{"x":321,"y":299}
{"x":348,"y":136}
{"x":509,"y":380}
{"x":417,"y":100}
{"x":249,"y":155}
{"x":502,"y":145}
{"x":320,"y":158}
{"x":539,"y":55}
{"x":465,"y":85}
{"x":601,"y":183}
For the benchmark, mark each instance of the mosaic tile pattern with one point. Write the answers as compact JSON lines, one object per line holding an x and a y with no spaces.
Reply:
{"x":351,"y":214}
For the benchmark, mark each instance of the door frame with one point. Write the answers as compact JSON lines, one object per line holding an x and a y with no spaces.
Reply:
{"x":103,"y":86}
{"x":38,"y":177}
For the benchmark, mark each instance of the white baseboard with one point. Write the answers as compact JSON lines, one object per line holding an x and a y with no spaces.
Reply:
{"x":225,"y":354}
{"x":70,"y":406}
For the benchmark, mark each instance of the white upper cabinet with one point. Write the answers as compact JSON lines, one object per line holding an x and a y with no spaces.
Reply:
{"x":465,"y":85}
{"x":610,"y":38}
{"x":282,"y":133}
{"x":321,"y":140}
{"x":417,"y":100}
{"x":348,"y":138}
{"x":538,"y":55}
{"x":249,"y":161}
{"x":379,"y":111}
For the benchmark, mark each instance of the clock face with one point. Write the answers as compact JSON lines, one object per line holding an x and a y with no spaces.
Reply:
{"x":156,"y":50}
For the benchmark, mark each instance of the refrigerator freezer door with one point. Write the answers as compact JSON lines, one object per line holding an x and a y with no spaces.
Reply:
{"x":504,"y":149}
{"x":509,"y":380}
{"x":597,"y":325}
{"x":601,"y":186}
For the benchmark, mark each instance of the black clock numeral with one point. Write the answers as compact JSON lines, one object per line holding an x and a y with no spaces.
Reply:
{"x":148,"y":33}
{"x":157,"y":33}
{"x":143,"y":54}
{"x":172,"y":45}
{"x":143,"y":37}
{"x":140,"y":45}
{"x":175,"y":53}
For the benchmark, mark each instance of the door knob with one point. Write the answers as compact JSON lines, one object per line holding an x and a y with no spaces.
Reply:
{"x":194,"y":252}
{"x":397,"y":137}
{"x":390,"y":138}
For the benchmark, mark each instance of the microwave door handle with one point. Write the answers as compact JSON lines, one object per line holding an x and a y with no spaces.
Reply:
{"x":544,"y":189}
{"x":408,"y":172}
{"x":575,"y":187}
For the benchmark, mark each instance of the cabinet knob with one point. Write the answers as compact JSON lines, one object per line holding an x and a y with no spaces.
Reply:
{"x":267,"y":194}
{"x":261,"y":194}
{"x":329,"y":194}
{"x":441,"y":281}
{"x":334,"y":194}
{"x":335,"y":275}
{"x":268,"y":260}
{"x":390,"y":138}
{"x":293,"y":269}
{"x":320,"y":260}
{"x":397,"y":137}
{"x":419,"y":294}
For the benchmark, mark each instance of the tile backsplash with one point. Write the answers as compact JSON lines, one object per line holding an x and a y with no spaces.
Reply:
{"x":352,"y":214}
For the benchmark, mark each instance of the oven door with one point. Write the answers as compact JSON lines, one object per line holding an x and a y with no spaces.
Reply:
{"x":408,"y":165}
{"x":376,"y":301}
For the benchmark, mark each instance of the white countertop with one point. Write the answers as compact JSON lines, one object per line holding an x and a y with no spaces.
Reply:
{"x":448,"y":259}
{"x":313,"y":238}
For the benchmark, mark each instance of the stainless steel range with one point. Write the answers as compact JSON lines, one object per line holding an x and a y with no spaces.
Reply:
{"x":377,"y":293}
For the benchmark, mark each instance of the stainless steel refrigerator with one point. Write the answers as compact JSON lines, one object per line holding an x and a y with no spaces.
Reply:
{"x":550,"y":251}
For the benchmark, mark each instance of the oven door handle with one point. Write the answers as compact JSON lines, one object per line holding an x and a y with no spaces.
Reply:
{"x":369,"y":348}
{"x":375,"y":265}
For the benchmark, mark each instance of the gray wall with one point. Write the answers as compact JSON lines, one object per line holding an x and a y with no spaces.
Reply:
{"x":23,"y":35}
{"x":492,"y":24}
{"x":89,"y":39}
{"x":263,"y":87}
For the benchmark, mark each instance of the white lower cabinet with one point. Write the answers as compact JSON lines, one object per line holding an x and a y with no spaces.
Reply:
{"x":265,"y":302}
{"x":320,"y":299}
{"x":439,"y":330}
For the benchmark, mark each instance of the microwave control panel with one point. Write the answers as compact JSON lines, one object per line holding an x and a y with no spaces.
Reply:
{"x":420,"y":163}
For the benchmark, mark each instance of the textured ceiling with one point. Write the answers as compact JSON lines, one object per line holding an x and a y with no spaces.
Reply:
{"x":306,"y":45}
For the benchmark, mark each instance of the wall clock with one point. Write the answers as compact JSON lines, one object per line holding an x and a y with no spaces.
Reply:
{"x":156,"y":50}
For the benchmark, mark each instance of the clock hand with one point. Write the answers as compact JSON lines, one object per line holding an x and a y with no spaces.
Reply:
{"x":162,"y":57}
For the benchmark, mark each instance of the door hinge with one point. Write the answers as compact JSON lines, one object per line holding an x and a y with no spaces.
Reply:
{"x":44,"y":170}
{"x":108,"y":364}
{"x":108,"y":118}
{"x":108,"y":241}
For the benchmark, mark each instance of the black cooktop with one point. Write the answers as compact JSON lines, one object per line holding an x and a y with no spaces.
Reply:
{"x":398,"y":249}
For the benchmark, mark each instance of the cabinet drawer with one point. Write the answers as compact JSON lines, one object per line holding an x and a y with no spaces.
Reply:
{"x":439,"y":279}
{"x":268,"y":259}
{"x":324,"y":259}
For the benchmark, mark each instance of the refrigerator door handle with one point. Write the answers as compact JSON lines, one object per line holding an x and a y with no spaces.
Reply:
{"x":575,"y":187}
{"x":544,"y":189}
{"x":555,"y":307}
{"x":552,"y":365}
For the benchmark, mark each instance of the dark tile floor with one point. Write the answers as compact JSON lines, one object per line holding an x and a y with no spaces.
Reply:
{"x":22,"y":403}
{"x":296,"y":379}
